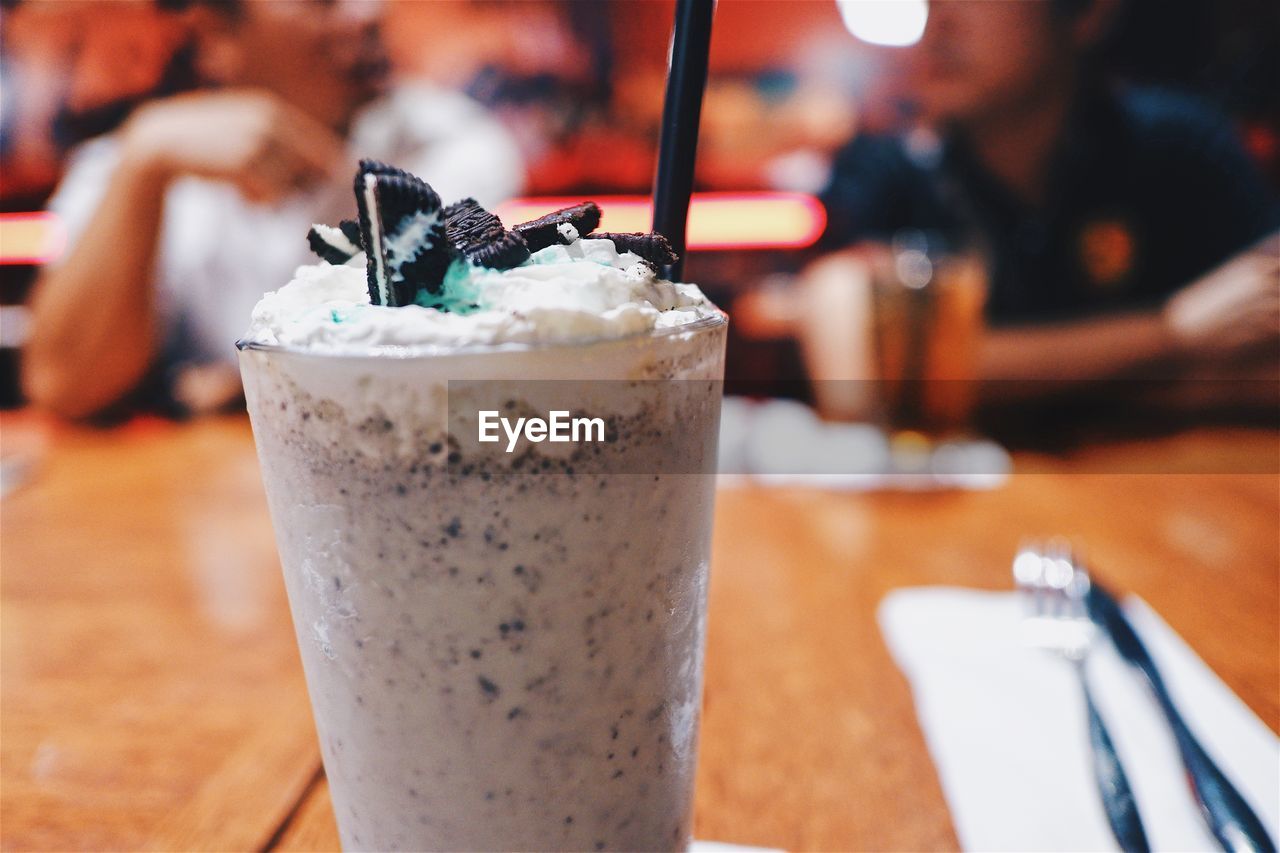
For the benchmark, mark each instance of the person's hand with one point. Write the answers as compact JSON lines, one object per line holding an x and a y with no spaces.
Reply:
{"x":254,"y":140}
{"x":1231,"y":311}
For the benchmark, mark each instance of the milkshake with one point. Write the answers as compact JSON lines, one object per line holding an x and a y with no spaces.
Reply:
{"x":502,"y":641}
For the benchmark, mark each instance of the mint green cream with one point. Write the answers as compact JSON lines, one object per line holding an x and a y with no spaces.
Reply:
{"x":458,"y":294}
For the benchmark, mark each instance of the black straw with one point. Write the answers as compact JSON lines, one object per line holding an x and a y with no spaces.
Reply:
{"x":681,"y":111}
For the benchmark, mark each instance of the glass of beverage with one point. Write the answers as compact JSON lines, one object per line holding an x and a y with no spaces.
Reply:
{"x":927,"y":296}
{"x":503,"y":649}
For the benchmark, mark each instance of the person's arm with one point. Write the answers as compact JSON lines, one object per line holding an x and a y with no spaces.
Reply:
{"x":93,"y":316}
{"x":1219,"y":326}
{"x":94,"y":325}
{"x":1225,"y":318}
{"x":831,"y":315}
{"x":1032,"y":361}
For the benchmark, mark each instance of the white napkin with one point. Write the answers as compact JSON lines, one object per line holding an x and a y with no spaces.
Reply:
{"x":1007,"y":729}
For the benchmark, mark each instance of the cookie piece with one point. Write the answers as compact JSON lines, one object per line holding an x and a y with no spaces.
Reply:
{"x":545,"y":230}
{"x":351,"y":229}
{"x":334,"y":245}
{"x":480,"y":236}
{"x":653,"y":247}
{"x":403,"y":230}
{"x":509,"y":250}
{"x":377,"y":167}
{"x":470,"y":225}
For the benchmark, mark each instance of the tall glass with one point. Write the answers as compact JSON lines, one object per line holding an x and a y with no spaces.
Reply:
{"x":503,"y":649}
{"x":927,"y":299}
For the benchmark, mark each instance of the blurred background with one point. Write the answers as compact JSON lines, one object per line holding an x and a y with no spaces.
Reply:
{"x":578,"y":84}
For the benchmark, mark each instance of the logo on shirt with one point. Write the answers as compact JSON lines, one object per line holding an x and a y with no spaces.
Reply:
{"x":1106,"y":253}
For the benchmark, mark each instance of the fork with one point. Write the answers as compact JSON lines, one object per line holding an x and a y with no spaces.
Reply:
{"x":1053,"y":589}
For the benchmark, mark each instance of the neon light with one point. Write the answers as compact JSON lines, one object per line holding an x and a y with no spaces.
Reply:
{"x":761,"y":220}
{"x":31,"y":238}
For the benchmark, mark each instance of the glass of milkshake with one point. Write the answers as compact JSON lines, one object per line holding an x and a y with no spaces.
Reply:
{"x":502,"y":641}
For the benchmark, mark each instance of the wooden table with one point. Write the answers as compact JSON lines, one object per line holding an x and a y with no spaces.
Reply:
{"x":152,"y":695}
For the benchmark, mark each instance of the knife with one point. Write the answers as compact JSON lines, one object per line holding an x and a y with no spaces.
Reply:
{"x":1229,"y":817}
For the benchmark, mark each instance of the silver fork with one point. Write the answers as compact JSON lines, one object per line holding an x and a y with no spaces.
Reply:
{"x":1053,"y":589}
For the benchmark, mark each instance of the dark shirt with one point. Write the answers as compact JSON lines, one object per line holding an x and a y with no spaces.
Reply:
{"x":1147,"y":191}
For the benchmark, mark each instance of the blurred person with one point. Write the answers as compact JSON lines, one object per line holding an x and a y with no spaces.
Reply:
{"x":1126,"y":231}
{"x":180,"y":220}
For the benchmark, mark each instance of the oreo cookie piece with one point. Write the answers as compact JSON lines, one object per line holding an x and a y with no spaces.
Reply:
{"x":335,"y":245}
{"x":377,"y":167}
{"x":403,"y":230}
{"x":546,"y":230}
{"x":509,"y":250}
{"x":653,"y":247}
{"x":479,"y":235}
{"x":470,"y":225}
{"x":351,"y":229}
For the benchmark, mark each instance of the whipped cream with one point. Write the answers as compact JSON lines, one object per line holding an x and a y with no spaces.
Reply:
{"x":583,"y":291}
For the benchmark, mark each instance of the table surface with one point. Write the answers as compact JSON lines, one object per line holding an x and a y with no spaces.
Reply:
{"x":153,"y":696}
